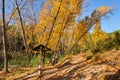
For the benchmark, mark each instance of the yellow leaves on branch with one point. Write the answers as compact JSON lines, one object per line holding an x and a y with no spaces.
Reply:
{"x":98,"y":34}
{"x":65,"y":18}
{"x":56,"y":5}
{"x":75,"y":6}
{"x":103,"y":10}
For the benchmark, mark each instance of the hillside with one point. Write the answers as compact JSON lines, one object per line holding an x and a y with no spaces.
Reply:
{"x":103,"y":66}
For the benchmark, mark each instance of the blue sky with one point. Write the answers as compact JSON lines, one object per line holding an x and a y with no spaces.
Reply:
{"x":113,"y":22}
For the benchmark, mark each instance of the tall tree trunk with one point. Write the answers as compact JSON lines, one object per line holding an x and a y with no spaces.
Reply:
{"x":4,"y":38}
{"x":53,"y":25}
{"x":23,"y":33}
{"x":59,"y":38}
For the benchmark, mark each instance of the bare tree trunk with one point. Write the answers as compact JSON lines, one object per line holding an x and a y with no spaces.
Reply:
{"x":14,"y":13}
{"x":23,"y":33}
{"x":4,"y":38}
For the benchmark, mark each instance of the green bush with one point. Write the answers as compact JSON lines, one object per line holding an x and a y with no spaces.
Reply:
{"x":34,"y":61}
{"x":19,"y":60}
{"x":97,"y":57}
{"x":110,"y":42}
{"x":89,"y":55}
{"x":107,"y":44}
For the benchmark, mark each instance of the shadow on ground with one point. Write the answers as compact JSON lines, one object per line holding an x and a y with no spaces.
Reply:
{"x":115,"y":76}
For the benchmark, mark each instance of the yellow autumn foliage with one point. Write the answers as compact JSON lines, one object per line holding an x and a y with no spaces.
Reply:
{"x":103,"y":10}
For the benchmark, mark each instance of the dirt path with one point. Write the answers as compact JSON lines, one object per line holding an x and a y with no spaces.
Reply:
{"x":78,"y":68}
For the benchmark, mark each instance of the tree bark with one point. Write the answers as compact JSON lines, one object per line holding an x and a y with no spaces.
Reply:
{"x":4,"y":38}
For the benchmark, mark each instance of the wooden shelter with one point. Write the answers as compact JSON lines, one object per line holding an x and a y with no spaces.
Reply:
{"x":41,"y":47}
{"x":42,"y":51}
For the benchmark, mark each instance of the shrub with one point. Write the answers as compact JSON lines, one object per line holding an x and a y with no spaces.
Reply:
{"x":97,"y":57}
{"x":89,"y":55}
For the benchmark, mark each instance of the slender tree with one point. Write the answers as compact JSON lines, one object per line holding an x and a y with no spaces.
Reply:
{"x":53,"y":25}
{"x":23,"y":32}
{"x":95,"y":16}
{"x":4,"y":38}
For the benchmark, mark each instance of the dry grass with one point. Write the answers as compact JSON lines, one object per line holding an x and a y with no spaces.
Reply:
{"x":15,"y":73}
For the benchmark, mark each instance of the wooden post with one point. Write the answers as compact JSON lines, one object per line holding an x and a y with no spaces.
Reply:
{"x":39,"y":69}
{"x":40,"y":55}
